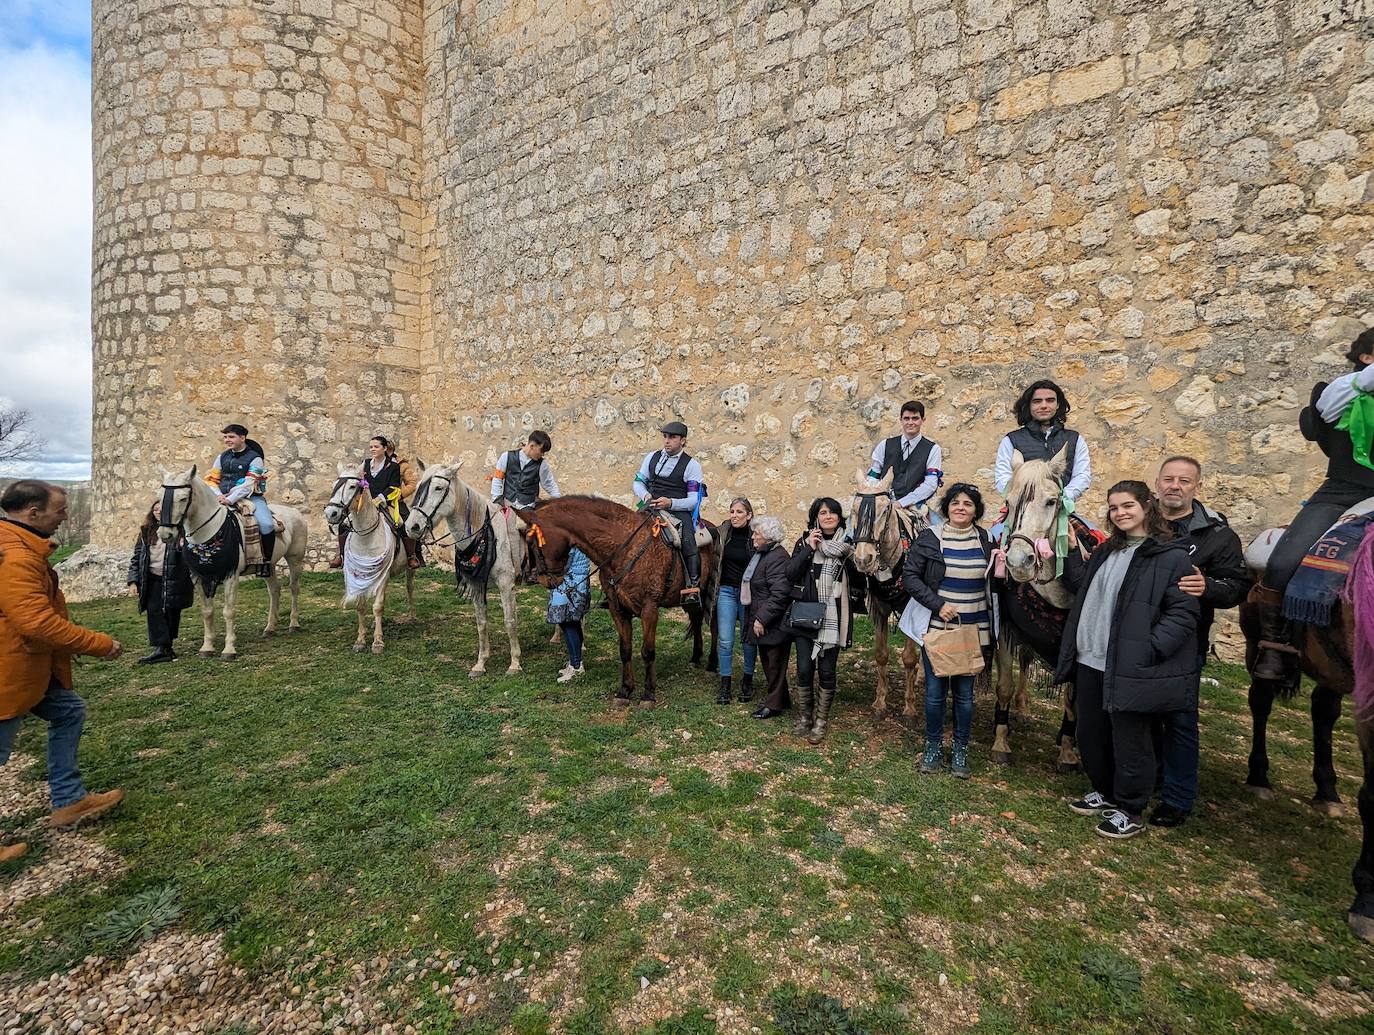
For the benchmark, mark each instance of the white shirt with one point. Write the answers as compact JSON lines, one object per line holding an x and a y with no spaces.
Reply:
{"x":928,"y":485}
{"x":1079,"y":478}
{"x":666,"y":466}
{"x":546,"y":479}
{"x":1340,"y":393}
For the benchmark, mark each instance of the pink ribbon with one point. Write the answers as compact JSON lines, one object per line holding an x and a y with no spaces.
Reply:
{"x":1044,"y":549}
{"x":999,"y":563}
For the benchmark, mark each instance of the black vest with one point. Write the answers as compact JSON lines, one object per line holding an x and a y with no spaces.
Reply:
{"x":389,"y":477}
{"x":1034,"y":445}
{"x":674,"y":483}
{"x":521,"y":484}
{"x":910,"y":472}
{"x":233,"y":468}
{"x":1341,"y":465}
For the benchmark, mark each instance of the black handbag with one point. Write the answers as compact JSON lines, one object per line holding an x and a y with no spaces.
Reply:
{"x":804,"y":617}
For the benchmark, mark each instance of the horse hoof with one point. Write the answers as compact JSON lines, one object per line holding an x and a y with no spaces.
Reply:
{"x":620,"y":702}
{"x":1260,"y":793}
{"x":229,"y":657}
{"x":1064,"y":768}
{"x":909,"y":721}
{"x":267,"y":633}
{"x":1334,"y":809}
{"x":1001,"y":757}
{"x":206,"y":654}
{"x":376,"y":648}
{"x":514,"y":670}
{"x":1361,"y":926}
{"x":473,"y":673}
{"x":358,"y":648}
{"x":647,"y":704}
{"x":880,"y":714}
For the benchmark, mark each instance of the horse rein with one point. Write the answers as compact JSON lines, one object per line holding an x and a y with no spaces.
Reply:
{"x":168,"y":504}
{"x":347,"y":505}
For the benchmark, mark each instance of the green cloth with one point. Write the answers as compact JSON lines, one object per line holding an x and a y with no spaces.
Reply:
{"x":1358,"y":422}
{"x":1061,"y":533}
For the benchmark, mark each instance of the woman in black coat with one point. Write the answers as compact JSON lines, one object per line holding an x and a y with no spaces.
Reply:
{"x":159,"y":577}
{"x":1130,"y":647}
{"x":764,"y":595}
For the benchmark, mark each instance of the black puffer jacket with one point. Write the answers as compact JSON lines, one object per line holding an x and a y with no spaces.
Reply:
{"x":769,"y":597}
{"x":1152,"y":653}
{"x":1216,"y":551}
{"x":177,"y":591}
{"x":924,"y":569}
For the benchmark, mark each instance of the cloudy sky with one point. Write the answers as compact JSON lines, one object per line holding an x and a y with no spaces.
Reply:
{"x":45,"y":210}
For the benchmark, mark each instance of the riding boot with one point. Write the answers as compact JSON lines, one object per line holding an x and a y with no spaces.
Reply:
{"x":723,"y":697}
{"x":412,"y":561}
{"x":691,"y":596}
{"x":1277,"y":656}
{"x":746,"y":687}
{"x":337,"y":562}
{"x":824,"y":700}
{"x":269,"y":540}
{"x":806,"y":704}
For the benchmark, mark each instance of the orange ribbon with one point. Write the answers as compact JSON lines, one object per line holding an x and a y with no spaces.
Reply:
{"x":537,"y":534}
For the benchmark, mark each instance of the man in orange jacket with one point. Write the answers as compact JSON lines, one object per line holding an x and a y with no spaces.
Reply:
{"x":37,"y":642}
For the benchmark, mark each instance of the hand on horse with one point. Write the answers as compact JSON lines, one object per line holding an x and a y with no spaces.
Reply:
{"x":223,"y":499}
{"x":1195,"y":584}
{"x":948,"y":612}
{"x":1073,"y":536}
{"x":661,"y":503}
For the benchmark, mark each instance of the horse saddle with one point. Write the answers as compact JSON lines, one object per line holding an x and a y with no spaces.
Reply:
{"x":671,"y":530}
{"x":251,"y":535}
{"x":1258,"y":552}
{"x":247,"y":513}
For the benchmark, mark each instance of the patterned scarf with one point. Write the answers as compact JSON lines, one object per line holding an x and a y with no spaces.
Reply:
{"x":832,"y":589}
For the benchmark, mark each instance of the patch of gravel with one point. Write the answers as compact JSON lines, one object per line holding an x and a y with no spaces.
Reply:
{"x":19,"y":797}
{"x":70,"y":857}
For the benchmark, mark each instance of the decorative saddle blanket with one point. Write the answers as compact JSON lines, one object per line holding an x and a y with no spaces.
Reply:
{"x":1318,"y":582}
{"x":1257,"y":553}
{"x":672,"y":532}
{"x":250,"y":535}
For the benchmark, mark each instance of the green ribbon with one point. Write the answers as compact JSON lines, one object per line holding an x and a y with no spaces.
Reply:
{"x":1061,"y":532}
{"x":1358,"y":422}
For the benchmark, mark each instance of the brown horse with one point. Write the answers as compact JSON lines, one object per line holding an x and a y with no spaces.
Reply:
{"x":639,"y":572}
{"x":1325,"y":657}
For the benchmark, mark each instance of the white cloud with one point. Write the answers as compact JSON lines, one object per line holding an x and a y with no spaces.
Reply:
{"x":45,"y":208}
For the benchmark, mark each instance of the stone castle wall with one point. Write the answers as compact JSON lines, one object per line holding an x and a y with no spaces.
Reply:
{"x":257,"y":219}
{"x":772,"y":220}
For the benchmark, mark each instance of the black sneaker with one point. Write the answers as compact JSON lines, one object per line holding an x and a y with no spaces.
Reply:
{"x":1166,"y":815}
{"x":1091,"y":804}
{"x":1118,"y":826}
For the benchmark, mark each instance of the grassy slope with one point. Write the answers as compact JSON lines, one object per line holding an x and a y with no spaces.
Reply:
{"x":393,"y":804}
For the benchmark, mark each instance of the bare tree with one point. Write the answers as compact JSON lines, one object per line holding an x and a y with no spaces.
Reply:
{"x":17,"y":439}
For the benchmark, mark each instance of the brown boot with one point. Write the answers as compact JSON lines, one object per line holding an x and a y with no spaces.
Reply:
{"x":825,"y":697}
{"x":14,"y":851}
{"x":93,"y":806}
{"x":337,"y":562}
{"x":411,"y":560}
{"x":1277,"y":656}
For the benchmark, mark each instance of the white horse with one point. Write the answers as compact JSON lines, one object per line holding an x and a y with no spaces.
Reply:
{"x":373,"y":553}
{"x":188,"y":501}
{"x":471,"y":517}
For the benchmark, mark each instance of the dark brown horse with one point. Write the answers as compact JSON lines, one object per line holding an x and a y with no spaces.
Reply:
{"x":1325,"y":658}
{"x":639,"y":572}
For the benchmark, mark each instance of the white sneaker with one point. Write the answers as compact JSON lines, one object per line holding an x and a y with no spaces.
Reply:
{"x":569,"y":672}
{"x":1091,"y":804}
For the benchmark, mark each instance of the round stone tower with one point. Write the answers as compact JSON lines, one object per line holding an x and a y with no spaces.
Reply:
{"x":256,"y":246}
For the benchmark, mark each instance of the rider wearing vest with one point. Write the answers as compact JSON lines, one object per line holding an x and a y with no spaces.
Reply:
{"x":1041,"y":412}
{"x":1349,"y":481}
{"x":391,"y":483}
{"x":914,"y":459}
{"x":670,"y":480}
{"x":521,"y":473}
{"x":241,"y":473}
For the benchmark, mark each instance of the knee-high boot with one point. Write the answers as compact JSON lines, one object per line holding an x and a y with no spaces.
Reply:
{"x":1277,"y":656}
{"x":806,"y":707}
{"x":412,"y":560}
{"x":269,"y":542}
{"x":824,"y":699}
{"x":337,"y":562}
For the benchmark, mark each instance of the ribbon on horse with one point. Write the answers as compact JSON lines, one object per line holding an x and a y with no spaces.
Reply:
{"x":1320,"y":579}
{"x":1061,"y":532}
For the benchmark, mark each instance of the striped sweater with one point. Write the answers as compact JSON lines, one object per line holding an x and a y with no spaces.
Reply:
{"x":965,"y":581}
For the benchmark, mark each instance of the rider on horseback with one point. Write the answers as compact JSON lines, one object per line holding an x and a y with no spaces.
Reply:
{"x":521,"y":473}
{"x":913,"y":459}
{"x":670,"y":480}
{"x":1339,"y":418}
{"x":242,"y":468}
{"x":1041,"y":412}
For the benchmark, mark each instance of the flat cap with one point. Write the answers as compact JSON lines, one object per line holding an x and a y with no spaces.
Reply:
{"x":674,"y":427}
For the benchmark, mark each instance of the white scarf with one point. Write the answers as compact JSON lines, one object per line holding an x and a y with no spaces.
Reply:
{"x":363,"y":575}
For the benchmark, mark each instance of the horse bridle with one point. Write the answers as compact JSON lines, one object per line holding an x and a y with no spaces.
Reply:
{"x":417,"y":507}
{"x":866,"y":529}
{"x":1040,"y":561}
{"x":169,"y":501}
{"x":347,"y":504}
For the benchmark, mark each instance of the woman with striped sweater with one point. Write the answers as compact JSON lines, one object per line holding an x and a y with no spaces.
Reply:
{"x":946,"y":575}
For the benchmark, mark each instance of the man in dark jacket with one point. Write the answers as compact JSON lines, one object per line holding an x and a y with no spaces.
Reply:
{"x":1219,"y":580}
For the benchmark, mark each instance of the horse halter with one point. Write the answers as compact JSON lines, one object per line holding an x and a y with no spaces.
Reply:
{"x":1034,"y":545}
{"x":417,"y":505}
{"x":346,"y":505}
{"x":169,"y":504}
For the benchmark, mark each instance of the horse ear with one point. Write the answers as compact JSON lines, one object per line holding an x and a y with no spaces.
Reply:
{"x":1059,"y":465}
{"x":193,"y":472}
{"x":166,"y":475}
{"x":1016,"y":459}
{"x":885,"y":482}
{"x":342,"y":468}
{"x":420,"y":464}
{"x":457,"y":464}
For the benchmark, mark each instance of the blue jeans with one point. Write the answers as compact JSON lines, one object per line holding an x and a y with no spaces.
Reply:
{"x":572,"y":638}
{"x":729,"y":617}
{"x":65,"y":714}
{"x":937,"y":689}
{"x":266,"y":523}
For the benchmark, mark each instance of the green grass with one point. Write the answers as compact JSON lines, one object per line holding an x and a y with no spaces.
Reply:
{"x":670,"y":865}
{"x":63,"y":552}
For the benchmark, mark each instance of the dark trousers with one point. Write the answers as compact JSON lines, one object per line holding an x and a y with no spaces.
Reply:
{"x":1176,"y":741}
{"x":1323,"y":507}
{"x":1116,"y":748}
{"x":774,"y":657}
{"x":572,"y":638}
{"x":163,"y":626}
{"x":823,"y":665}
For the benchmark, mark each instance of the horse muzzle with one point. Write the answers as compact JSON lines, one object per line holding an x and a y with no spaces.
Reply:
{"x":166,"y":533}
{"x":866,"y":558}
